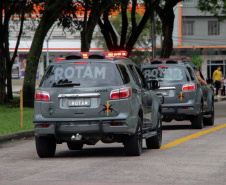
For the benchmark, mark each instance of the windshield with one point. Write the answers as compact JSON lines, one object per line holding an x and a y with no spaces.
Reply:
{"x":81,"y":74}
{"x":165,"y":73}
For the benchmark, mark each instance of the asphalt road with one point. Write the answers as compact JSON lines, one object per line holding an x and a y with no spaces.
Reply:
{"x":188,"y":156}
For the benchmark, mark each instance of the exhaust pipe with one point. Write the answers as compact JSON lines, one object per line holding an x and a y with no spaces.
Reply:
{"x":78,"y":137}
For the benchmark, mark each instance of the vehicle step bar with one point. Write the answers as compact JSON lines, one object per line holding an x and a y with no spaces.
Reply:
{"x":207,"y":116}
{"x":149,"y":134}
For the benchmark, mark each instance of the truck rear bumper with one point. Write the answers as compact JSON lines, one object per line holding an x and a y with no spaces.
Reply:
{"x":84,"y":127}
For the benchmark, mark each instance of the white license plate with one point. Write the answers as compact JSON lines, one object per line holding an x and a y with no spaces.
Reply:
{"x":79,"y":102}
{"x":164,"y":93}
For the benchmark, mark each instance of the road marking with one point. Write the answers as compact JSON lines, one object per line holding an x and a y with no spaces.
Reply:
{"x":193,"y":136}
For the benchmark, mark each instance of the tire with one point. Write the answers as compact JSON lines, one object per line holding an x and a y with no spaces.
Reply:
{"x":74,"y":146}
{"x":210,"y":121}
{"x":156,"y":141}
{"x":197,"y":121}
{"x":133,"y":143}
{"x":45,"y":146}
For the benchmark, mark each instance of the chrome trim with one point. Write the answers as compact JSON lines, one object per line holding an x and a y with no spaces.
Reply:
{"x":167,"y":88}
{"x":84,"y":95}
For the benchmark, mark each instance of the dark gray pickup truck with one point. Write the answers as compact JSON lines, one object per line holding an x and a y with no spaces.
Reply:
{"x":87,"y":98}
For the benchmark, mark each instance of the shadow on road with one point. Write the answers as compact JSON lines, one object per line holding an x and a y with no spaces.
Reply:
{"x":176,"y":127}
{"x":92,"y":152}
{"x":96,"y":152}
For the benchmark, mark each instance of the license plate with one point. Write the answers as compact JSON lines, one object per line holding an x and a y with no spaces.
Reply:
{"x":79,"y":102}
{"x":164,"y":93}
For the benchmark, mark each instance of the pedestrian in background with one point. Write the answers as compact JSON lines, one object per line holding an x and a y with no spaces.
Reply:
{"x":217,"y":80}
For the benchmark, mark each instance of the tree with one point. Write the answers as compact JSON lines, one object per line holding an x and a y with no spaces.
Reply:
{"x":166,"y":13}
{"x":128,"y":37}
{"x":50,"y":13}
{"x":9,"y":9}
{"x":97,"y":7}
{"x":143,"y":41}
{"x":215,"y":7}
{"x":91,"y":11}
{"x":197,"y":60}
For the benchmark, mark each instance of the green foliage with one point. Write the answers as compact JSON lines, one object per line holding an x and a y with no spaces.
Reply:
{"x":215,"y":7}
{"x":10,"y":119}
{"x":197,"y":60}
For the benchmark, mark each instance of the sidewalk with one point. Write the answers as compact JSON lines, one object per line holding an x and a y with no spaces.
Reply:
{"x":222,"y":98}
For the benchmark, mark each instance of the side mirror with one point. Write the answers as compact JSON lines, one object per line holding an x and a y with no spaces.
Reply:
{"x":161,"y":97}
{"x":154,"y":84}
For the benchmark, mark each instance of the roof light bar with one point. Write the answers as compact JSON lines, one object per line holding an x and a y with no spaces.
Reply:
{"x":162,"y":67}
{"x":108,"y":54}
{"x":59,"y":59}
{"x":111,"y":54}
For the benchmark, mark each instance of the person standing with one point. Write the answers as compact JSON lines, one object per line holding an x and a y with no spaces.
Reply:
{"x":217,"y":80}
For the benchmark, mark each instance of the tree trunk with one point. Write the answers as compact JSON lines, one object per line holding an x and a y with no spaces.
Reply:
{"x":2,"y":59}
{"x":50,"y":15}
{"x":32,"y":62}
{"x":2,"y":78}
{"x":10,"y":62}
{"x":84,"y":43}
{"x":167,"y":16}
{"x":9,"y":81}
{"x":97,"y":8}
{"x":167,"y":20}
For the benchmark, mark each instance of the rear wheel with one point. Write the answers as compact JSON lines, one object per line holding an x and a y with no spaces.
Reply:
{"x":45,"y":146}
{"x":156,"y":141}
{"x":210,"y":120}
{"x":197,"y":121}
{"x":133,"y":143}
{"x":74,"y":146}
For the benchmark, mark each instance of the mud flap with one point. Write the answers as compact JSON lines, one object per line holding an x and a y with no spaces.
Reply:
{"x":100,"y":124}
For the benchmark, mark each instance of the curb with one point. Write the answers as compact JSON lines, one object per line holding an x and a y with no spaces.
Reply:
{"x":219,"y":99}
{"x":17,"y":135}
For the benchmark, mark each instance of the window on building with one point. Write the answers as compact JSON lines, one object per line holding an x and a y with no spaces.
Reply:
{"x":188,"y":2}
{"x":188,"y":28}
{"x":213,"y":28}
{"x":190,"y":52}
{"x":216,"y":52}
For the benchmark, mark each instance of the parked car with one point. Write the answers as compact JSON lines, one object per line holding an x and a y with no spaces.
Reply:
{"x":184,"y":97}
{"x":88,"y":97}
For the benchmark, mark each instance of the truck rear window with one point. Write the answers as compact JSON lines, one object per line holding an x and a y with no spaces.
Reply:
{"x":82,"y":74}
{"x":165,"y":73}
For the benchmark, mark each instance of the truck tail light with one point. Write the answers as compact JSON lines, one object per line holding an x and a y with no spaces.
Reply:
{"x":189,"y":87}
{"x":42,"y":95}
{"x":121,"y":93}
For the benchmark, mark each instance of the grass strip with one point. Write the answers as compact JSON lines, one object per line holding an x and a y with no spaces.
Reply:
{"x":10,"y":118}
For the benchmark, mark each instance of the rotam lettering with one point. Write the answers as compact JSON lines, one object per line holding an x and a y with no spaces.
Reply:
{"x":80,"y":72}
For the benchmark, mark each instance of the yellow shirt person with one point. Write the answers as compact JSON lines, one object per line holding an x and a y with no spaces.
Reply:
{"x":217,"y":79}
{"x":217,"y":75}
